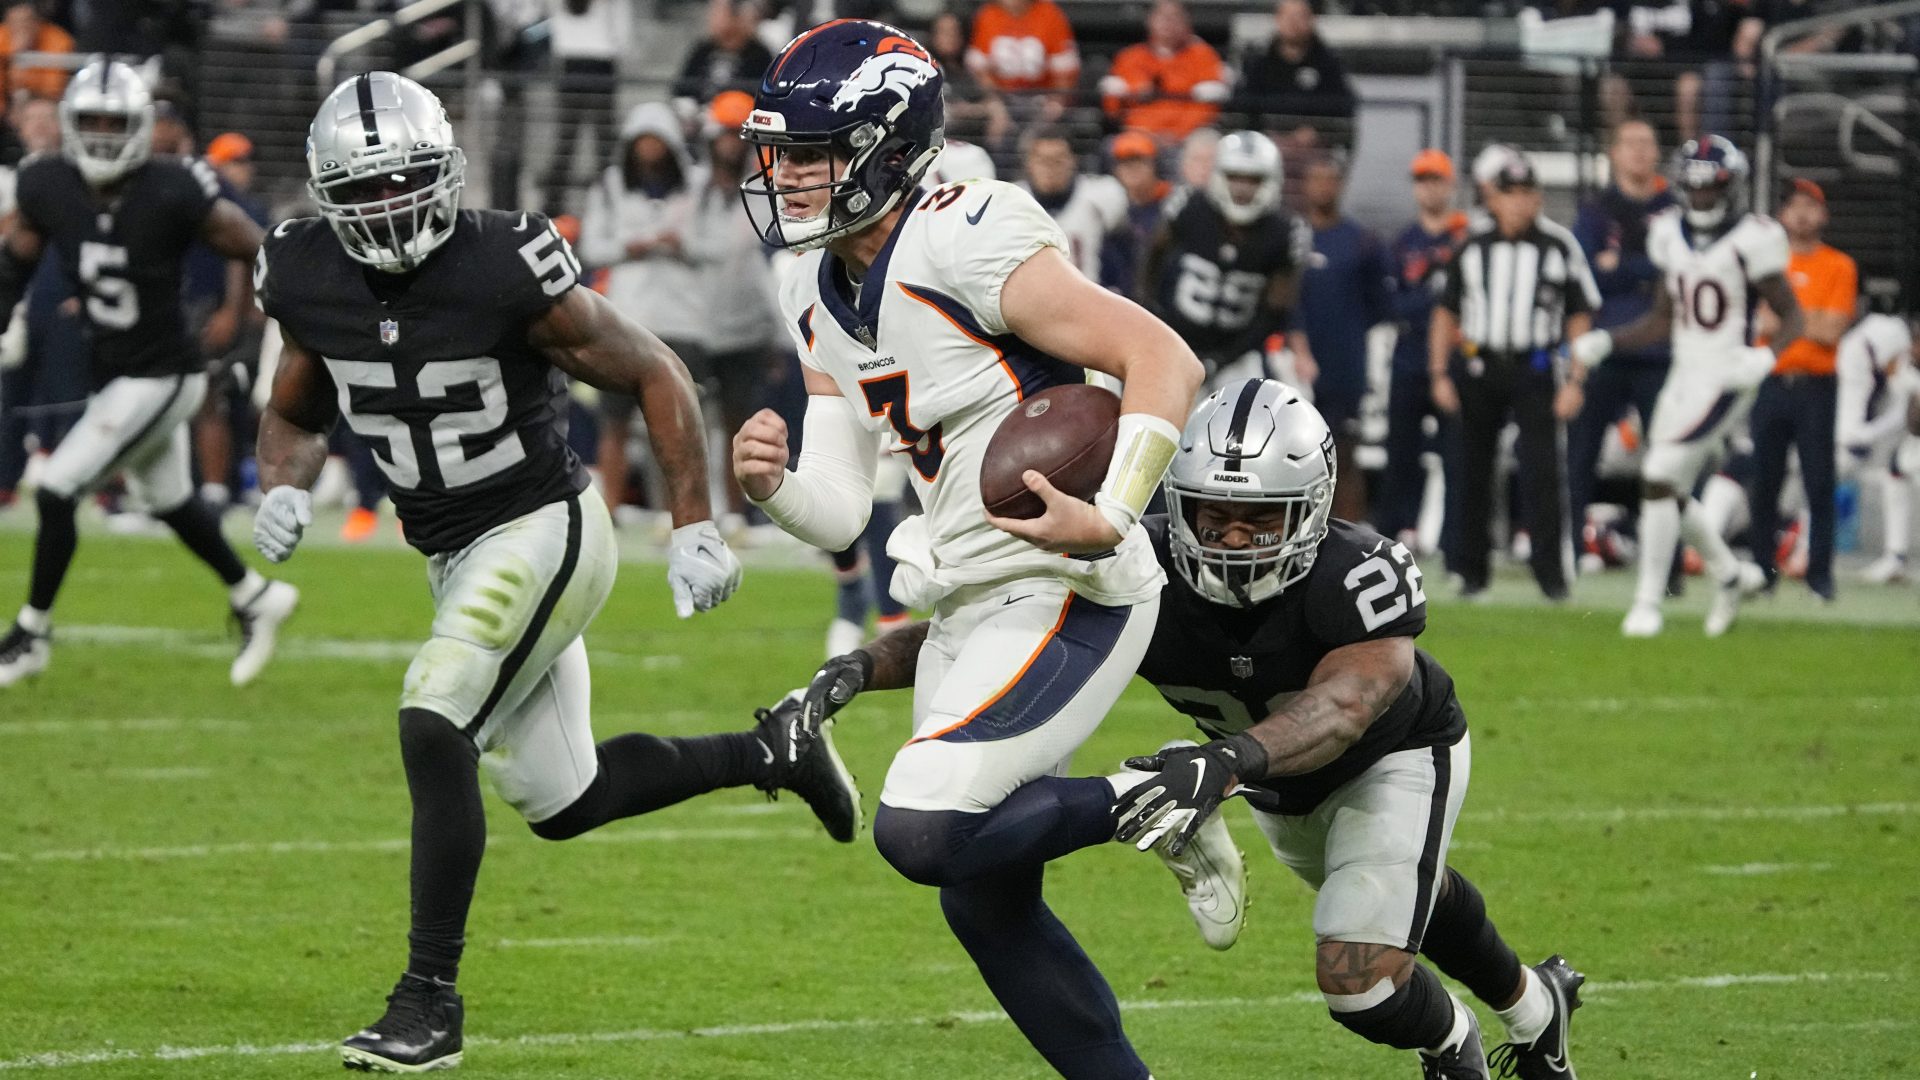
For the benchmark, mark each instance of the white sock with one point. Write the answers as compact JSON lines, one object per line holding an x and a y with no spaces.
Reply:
{"x":33,"y":620}
{"x":1659,"y":536}
{"x":246,"y":588}
{"x":215,"y":495}
{"x":1700,"y":532}
{"x":1531,"y":1014}
{"x":1896,"y":510}
{"x":1462,"y":1022}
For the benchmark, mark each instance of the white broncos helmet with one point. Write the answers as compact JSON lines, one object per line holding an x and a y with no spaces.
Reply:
{"x":1256,"y":442}
{"x":384,"y":170}
{"x":106,"y":121}
{"x":1251,"y":154}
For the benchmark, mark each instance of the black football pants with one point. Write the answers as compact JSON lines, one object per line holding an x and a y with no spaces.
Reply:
{"x":1494,"y":390}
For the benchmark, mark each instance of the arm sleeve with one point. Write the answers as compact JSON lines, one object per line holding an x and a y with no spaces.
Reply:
{"x":826,"y":499}
{"x":537,"y":267}
{"x":199,"y":191}
{"x":980,"y":254}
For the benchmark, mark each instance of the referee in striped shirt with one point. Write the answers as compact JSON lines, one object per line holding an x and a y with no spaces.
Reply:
{"x":1516,"y":293}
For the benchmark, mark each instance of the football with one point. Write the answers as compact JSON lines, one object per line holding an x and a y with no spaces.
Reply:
{"x":1065,"y":433}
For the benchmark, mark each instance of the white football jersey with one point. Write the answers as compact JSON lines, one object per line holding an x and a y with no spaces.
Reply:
{"x":1876,"y":378}
{"x":1711,"y":285}
{"x":1095,"y":207}
{"x":923,"y":353}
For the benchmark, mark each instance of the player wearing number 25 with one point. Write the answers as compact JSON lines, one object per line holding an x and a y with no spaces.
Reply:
{"x":923,"y":318}
{"x":445,"y":337}
{"x":120,"y":221}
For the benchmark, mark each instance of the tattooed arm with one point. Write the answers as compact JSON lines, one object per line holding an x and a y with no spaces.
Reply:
{"x":1348,"y":691}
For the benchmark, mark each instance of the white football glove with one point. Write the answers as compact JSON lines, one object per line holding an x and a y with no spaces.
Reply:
{"x":1591,"y":347}
{"x":1751,"y":366}
{"x":701,"y":568}
{"x":283,"y":515}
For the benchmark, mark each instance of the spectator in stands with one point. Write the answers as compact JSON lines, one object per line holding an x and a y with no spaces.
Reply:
{"x":587,"y":38}
{"x":1796,"y":404}
{"x":1089,"y":208}
{"x":1296,"y":85}
{"x":1136,"y":165}
{"x":1196,"y":159}
{"x":1169,"y":84}
{"x":1343,"y":295}
{"x":1612,"y":229}
{"x":741,"y":328}
{"x":636,"y":225}
{"x":171,"y":133}
{"x":1700,"y":40}
{"x":1418,"y":261}
{"x":26,"y":30}
{"x":730,"y":57}
{"x":975,"y":112}
{"x":1026,"y":48}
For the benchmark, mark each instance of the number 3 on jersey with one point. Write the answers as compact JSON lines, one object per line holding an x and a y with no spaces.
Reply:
{"x":887,"y":397}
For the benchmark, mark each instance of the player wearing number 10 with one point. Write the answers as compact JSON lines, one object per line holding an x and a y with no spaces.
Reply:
{"x":445,"y":337}
{"x":121,"y":221}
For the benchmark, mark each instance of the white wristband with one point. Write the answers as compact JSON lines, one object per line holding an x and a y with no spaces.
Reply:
{"x":1142,"y":451}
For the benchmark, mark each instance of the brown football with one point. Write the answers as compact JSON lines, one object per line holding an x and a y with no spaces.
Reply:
{"x":1065,"y":433}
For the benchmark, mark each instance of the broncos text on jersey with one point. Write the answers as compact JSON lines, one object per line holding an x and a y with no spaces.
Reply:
{"x":1214,"y":276}
{"x":433,"y":369}
{"x":125,"y":250}
{"x":1230,"y":668}
{"x":921,"y":350}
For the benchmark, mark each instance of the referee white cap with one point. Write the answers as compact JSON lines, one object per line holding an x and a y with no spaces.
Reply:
{"x":1488,"y":164}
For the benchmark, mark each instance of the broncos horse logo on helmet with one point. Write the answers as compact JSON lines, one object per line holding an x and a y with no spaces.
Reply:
{"x":864,"y":99}
{"x":1712,"y":174}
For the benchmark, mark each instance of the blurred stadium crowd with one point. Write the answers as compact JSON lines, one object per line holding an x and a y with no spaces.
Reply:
{"x":621,"y":116}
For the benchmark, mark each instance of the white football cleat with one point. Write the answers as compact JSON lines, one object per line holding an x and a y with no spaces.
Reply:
{"x":260,"y":620}
{"x":1885,"y":570}
{"x":843,"y":637}
{"x":23,"y":654}
{"x":1749,"y":579}
{"x":1643,"y":621}
{"x":1214,"y":878}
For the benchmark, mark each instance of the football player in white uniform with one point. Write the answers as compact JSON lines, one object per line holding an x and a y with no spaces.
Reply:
{"x":1719,"y":264}
{"x":924,"y":318}
{"x":1878,"y":380}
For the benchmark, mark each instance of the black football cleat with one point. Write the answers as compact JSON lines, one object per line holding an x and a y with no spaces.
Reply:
{"x":1546,"y":1057}
{"x":1465,"y":1060}
{"x":806,"y":763}
{"x":419,"y":1033}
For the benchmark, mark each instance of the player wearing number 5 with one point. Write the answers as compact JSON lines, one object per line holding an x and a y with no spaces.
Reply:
{"x":120,"y":221}
{"x":1718,"y":263}
{"x":445,"y":337}
{"x":924,"y":318}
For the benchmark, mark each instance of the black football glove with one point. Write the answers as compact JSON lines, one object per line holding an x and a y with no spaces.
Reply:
{"x":835,"y":684}
{"x":1192,"y":782}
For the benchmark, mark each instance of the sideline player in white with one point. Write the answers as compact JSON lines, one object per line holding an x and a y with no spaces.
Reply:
{"x":927,"y":318}
{"x":1878,"y":379}
{"x":1719,"y":264}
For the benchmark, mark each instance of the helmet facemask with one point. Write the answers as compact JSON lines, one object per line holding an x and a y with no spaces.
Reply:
{"x":859,"y":159}
{"x":391,"y":212}
{"x":106,"y":142}
{"x":1284,"y":532}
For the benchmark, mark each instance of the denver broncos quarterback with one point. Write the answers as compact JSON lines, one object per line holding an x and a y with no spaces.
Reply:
{"x":1288,"y":638}
{"x":923,"y":317}
{"x":445,"y":337}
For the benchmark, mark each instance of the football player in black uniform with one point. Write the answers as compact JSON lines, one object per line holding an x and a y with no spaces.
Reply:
{"x":121,"y":221}
{"x":1224,"y":267}
{"x":1287,"y":637}
{"x":445,"y":338}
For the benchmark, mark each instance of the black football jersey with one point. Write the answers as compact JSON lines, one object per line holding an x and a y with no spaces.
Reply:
{"x":125,"y":248}
{"x":1212,"y":281}
{"x":1229,"y":668}
{"x":433,"y":369}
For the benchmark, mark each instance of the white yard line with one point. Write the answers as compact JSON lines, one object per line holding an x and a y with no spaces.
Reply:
{"x":1625,"y":814}
{"x":1764,"y":869}
{"x":297,"y":647}
{"x":629,"y":941}
{"x":58,"y":1059}
{"x":160,"y":772}
{"x":86,"y":726}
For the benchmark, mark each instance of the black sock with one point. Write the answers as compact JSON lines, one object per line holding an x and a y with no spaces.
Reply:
{"x":199,"y":529}
{"x":1041,"y":976}
{"x":449,"y":836}
{"x":1419,"y":1015}
{"x":639,"y":773}
{"x":1463,"y":942}
{"x":53,"y":548}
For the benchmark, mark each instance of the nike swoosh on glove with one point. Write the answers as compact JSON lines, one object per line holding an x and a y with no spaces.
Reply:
{"x":701,"y":569}
{"x":835,"y":684}
{"x":283,"y":516}
{"x":1192,"y":782}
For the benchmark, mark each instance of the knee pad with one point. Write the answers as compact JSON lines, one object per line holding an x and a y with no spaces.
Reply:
{"x":919,"y":843}
{"x":1416,"y":1016}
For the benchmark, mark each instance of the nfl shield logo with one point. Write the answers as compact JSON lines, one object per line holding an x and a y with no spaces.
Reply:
{"x":389,"y":331}
{"x":1241,"y":666}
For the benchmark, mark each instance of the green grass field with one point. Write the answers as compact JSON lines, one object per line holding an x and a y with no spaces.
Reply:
{"x":198,"y":881}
